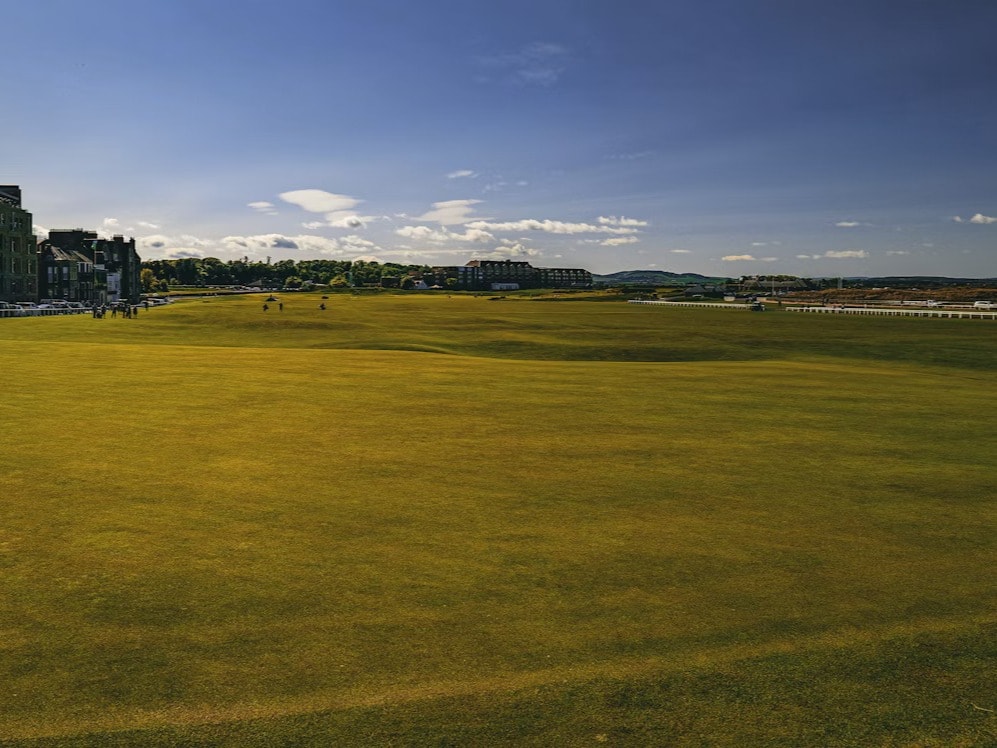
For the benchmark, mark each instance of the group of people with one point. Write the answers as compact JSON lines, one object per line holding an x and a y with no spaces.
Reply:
{"x":280,"y":306}
{"x":127,"y":310}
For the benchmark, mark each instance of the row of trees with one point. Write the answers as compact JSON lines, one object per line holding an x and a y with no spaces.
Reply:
{"x":157,"y":275}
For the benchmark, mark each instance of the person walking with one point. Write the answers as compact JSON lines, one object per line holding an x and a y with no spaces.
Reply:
{"x":266,"y":307}
{"x":280,"y":306}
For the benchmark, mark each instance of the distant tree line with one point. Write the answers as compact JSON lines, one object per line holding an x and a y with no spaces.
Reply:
{"x":159,"y":275}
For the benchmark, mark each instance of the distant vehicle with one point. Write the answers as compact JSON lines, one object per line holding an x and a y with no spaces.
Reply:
{"x":984,"y":305}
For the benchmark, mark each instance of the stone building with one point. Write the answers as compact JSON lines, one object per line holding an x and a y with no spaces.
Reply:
{"x":113,"y":274}
{"x":18,"y":259}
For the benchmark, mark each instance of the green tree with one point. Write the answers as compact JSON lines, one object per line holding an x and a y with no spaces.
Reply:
{"x":148,"y":279}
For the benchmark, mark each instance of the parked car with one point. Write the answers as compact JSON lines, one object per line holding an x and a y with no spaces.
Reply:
{"x":10,"y":309}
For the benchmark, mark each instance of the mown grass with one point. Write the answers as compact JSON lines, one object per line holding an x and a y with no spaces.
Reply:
{"x":225,"y":527}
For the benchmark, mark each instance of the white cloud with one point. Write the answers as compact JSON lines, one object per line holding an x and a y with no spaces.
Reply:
{"x":680,"y":251}
{"x":443,"y":235}
{"x":747,"y":258}
{"x":848,"y":224}
{"x":617,"y":241}
{"x":319,"y":201}
{"x":160,"y":242}
{"x":462,"y":174}
{"x":147,"y":225}
{"x":111,"y":223}
{"x":621,"y":221}
{"x":261,"y":244}
{"x":551,"y":227}
{"x":508,"y":252}
{"x":897,"y":252}
{"x":40,"y":232}
{"x":957,"y":219}
{"x":262,"y":206}
{"x":345,"y":219}
{"x":449,"y":212}
{"x":979,"y":218}
{"x":845,"y":254}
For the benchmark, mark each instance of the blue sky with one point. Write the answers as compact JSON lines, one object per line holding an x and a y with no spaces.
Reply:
{"x":715,"y":136}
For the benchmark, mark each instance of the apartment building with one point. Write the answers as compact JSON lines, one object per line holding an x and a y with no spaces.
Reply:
{"x":18,"y":258}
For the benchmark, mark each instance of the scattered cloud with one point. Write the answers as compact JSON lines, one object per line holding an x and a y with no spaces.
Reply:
{"x":262,"y":206}
{"x":443,"y":235}
{"x":319,"y":201}
{"x":846,"y":254}
{"x":621,"y":221}
{"x":508,"y":252}
{"x":264,"y":243}
{"x":897,"y":252}
{"x":337,"y":210}
{"x":147,"y":225}
{"x":162,"y":242}
{"x":111,"y":223}
{"x":680,"y":251}
{"x":747,"y":258}
{"x":449,"y":212}
{"x":849,"y":224}
{"x":536,"y":64}
{"x":978,"y":219}
{"x":551,"y":227}
{"x":617,"y":241}
{"x":462,"y":174}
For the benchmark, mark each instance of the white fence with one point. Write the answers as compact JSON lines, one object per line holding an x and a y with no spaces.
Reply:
{"x":880,"y":312}
{"x":35,"y":312}
{"x":704,"y":304}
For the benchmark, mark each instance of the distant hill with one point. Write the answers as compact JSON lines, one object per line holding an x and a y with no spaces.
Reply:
{"x":654,"y":278}
{"x":916,"y":281}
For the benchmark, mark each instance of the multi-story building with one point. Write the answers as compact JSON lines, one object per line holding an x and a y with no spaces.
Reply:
{"x":508,"y":274}
{"x":114,"y":264}
{"x":66,"y":274}
{"x":18,"y":260}
{"x":564,"y":278}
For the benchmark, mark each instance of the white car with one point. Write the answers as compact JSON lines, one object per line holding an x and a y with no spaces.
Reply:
{"x":984,"y":305}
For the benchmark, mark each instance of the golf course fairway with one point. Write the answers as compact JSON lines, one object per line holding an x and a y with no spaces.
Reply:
{"x":454,"y":521}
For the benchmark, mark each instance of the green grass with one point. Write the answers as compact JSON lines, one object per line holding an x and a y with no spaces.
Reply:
{"x":454,"y":521}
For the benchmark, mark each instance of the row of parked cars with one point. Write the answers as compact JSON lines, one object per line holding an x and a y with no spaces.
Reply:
{"x":28,"y":308}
